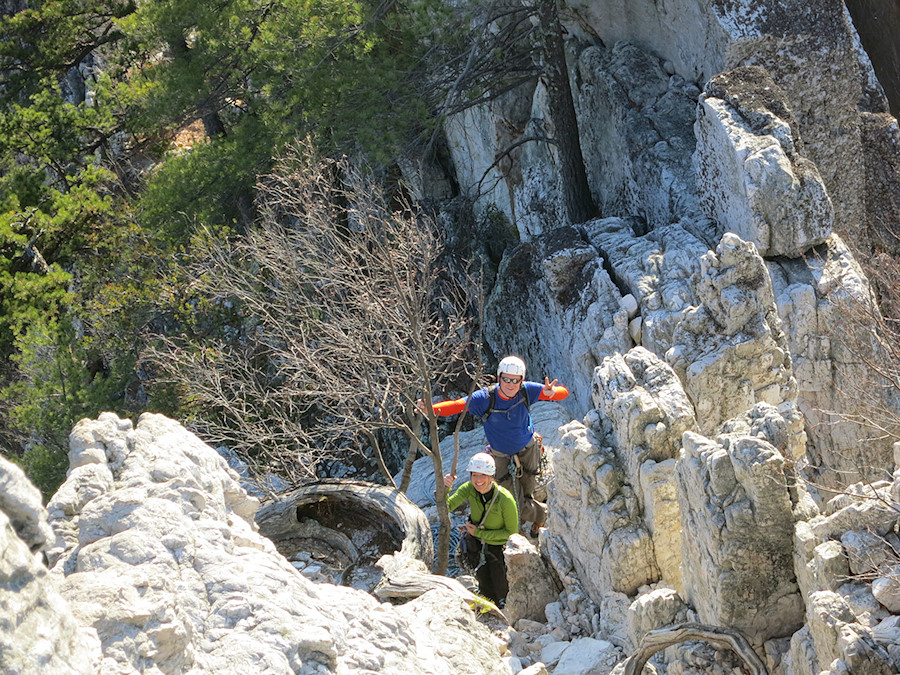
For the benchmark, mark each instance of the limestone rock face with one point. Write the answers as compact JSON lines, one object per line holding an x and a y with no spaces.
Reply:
{"x":818,"y":305}
{"x":657,"y":268}
{"x":649,"y":412}
{"x":159,"y":556}
{"x":474,"y":138}
{"x":595,"y":515}
{"x":839,"y":641}
{"x":555,"y":304}
{"x":662,"y":516}
{"x":636,"y":122}
{"x":847,"y":627}
{"x":532,"y":584}
{"x":38,"y":632}
{"x":730,"y":351}
{"x":880,"y":135}
{"x":537,"y":200}
{"x":751,"y":175}
{"x":801,"y":657}
{"x":588,"y":655}
{"x":737,"y":533}
{"x":859,"y":524}
{"x":887,"y":591}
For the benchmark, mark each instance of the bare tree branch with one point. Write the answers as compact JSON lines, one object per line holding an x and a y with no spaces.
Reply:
{"x":346,"y":315}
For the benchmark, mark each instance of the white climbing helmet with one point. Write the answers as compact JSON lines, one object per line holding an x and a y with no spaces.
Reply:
{"x":482,"y":462}
{"x":512,"y":365}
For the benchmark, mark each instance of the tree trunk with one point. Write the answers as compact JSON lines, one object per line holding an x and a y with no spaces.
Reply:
{"x":404,"y":578}
{"x":406,"y":477}
{"x":442,"y":555}
{"x":355,"y":504}
{"x":213,"y":126}
{"x":212,"y":122}
{"x":576,"y":191}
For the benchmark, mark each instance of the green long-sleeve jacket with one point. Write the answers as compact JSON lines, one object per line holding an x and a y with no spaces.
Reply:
{"x":502,"y":520}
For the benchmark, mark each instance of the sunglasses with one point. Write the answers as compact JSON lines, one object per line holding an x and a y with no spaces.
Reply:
{"x":510,"y":380}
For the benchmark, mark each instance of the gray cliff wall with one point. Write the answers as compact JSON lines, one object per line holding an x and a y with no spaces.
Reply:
{"x":733,"y":149}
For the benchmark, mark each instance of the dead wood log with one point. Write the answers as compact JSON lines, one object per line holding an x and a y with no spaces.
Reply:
{"x":656,"y":640}
{"x":405,"y":578}
{"x":352,"y":504}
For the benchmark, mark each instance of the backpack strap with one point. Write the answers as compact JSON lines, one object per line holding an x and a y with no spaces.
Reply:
{"x":490,"y":505}
{"x":492,"y":400}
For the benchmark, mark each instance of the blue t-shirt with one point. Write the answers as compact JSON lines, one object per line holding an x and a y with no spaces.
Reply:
{"x":509,"y":428}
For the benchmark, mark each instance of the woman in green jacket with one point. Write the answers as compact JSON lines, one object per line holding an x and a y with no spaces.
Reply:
{"x":493,"y":517}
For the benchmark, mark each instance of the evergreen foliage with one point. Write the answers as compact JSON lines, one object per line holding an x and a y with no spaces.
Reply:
{"x":129,"y":129}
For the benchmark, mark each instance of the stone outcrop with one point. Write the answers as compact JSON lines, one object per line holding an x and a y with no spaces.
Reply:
{"x":38,"y":631}
{"x":475,"y":137}
{"x":880,"y":135}
{"x":853,"y":537}
{"x":656,"y":268}
{"x":158,"y":567}
{"x":737,"y":534}
{"x":649,"y":412}
{"x":21,"y":502}
{"x":729,"y":350}
{"x":840,"y":641}
{"x":751,"y":174}
{"x":595,"y":515}
{"x":647,"y":407}
{"x":720,"y":205}
{"x":655,"y":610}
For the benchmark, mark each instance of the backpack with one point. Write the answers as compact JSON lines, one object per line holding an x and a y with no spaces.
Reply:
{"x":492,"y":397}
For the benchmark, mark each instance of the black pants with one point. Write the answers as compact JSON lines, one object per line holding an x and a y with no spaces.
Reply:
{"x":491,"y":575}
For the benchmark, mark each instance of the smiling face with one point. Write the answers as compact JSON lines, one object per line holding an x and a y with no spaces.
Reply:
{"x":509,"y":384}
{"x":481,"y":481}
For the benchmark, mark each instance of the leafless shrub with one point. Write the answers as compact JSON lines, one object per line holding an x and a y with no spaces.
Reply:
{"x":347,"y":317}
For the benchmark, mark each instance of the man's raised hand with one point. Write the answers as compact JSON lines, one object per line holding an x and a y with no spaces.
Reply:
{"x":549,"y":387}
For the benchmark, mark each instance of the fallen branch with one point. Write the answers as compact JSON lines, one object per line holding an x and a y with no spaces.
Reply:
{"x":656,"y":640}
{"x":405,"y":578}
